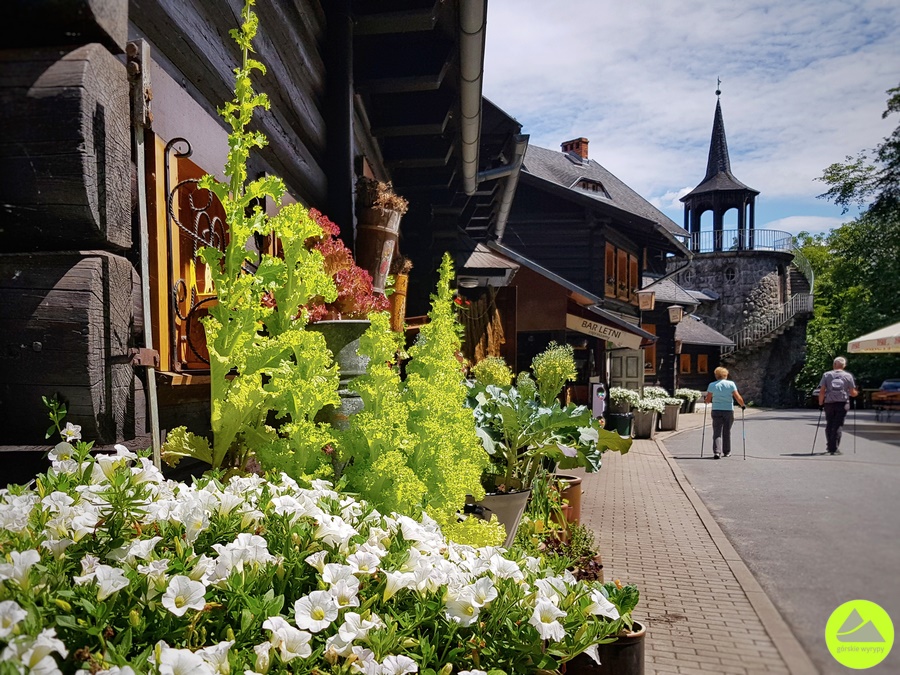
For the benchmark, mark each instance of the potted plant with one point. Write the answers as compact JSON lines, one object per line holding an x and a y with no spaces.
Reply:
{"x":524,"y":427}
{"x":668,"y":419}
{"x":689,"y":399}
{"x":622,"y":400}
{"x":378,"y":211}
{"x":646,"y":411}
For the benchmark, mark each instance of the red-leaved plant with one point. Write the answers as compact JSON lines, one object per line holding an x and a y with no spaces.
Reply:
{"x":356,"y":298}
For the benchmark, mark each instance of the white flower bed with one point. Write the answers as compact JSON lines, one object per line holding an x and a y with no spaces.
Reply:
{"x":109,"y":568}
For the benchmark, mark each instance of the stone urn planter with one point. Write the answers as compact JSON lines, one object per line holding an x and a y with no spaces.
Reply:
{"x":644,"y":424}
{"x":342,"y":338}
{"x":508,"y":507}
{"x":625,"y":656}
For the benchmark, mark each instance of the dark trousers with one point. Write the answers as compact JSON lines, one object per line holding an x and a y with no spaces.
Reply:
{"x":834,"y":421}
{"x":721,"y":425}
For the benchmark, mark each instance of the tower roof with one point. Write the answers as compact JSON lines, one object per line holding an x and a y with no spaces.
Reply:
{"x":718,"y":165}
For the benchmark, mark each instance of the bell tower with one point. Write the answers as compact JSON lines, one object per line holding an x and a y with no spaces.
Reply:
{"x":719,"y":191}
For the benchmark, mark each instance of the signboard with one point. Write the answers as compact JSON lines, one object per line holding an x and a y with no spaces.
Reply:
{"x":598,"y":329}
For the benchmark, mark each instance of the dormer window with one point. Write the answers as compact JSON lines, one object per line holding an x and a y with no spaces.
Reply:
{"x":594,"y":186}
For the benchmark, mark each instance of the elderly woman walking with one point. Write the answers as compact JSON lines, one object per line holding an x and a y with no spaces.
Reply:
{"x":723,"y":394}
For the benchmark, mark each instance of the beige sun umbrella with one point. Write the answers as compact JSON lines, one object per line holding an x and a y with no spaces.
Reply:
{"x":882,"y":341}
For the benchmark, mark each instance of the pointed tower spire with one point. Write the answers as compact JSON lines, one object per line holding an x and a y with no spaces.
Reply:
{"x":718,"y":161}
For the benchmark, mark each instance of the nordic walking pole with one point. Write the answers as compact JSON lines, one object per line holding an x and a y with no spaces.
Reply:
{"x":854,"y":426}
{"x":744,"y":431}
{"x":703,"y":437}
{"x":817,"y":430}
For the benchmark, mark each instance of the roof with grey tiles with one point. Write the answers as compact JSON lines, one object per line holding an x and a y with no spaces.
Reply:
{"x":569,"y":170}
{"x":668,"y":291}
{"x":692,"y":331}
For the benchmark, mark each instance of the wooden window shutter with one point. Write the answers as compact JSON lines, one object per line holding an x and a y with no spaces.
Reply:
{"x":622,"y":275}
{"x":609,"y":271}
{"x":634,"y":280}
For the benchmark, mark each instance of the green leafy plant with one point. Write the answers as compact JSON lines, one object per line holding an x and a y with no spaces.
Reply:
{"x":492,"y":370}
{"x":269,"y":376}
{"x":414,"y":447}
{"x":552,"y":368}
{"x":521,"y":433}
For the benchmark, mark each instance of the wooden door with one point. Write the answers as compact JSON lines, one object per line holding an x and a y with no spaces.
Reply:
{"x":626,"y":368}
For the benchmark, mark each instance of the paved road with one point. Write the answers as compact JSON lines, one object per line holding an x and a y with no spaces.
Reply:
{"x":816,"y":531}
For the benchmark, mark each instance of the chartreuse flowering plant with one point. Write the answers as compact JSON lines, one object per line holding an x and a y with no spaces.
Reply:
{"x":109,"y":568}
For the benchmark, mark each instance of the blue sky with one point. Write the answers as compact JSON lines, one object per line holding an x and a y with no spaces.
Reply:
{"x":803,"y":86}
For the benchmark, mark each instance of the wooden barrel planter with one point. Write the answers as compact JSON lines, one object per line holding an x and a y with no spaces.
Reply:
{"x":625,"y":656}
{"x":377,"y":233}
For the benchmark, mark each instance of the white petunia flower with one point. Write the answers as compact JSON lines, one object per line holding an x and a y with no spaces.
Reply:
{"x":334,"y":572}
{"x":109,"y":580}
{"x":346,"y":592}
{"x":365,"y":662}
{"x":483,"y":591}
{"x":36,"y":654}
{"x":601,"y":606}
{"x":180,"y":661}
{"x":19,"y":566}
{"x":316,"y":611}
{"x":216,"y":657}
{"x":552,"y":588}
{"x":594,"y":653}
{"x":139,"y":549}
{"x":355,"y":627}
{"x":71,"y":432}
{"x":317,"y":560}
{"x":503,"y":568}
{"x":10,"y":614}
{"x":399,"y":665}
{"x":263,"y":657}
{"x":363,"y":563}
{"x":395,"y":582}
{"x":545,"y":620}
{"x":184,"y":594}
{"x":472,"y":672}
{"x":289,"y":641}
{"x":462,"y":609}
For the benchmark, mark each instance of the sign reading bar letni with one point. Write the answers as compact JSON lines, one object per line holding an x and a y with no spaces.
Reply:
{"x":618,"y":336}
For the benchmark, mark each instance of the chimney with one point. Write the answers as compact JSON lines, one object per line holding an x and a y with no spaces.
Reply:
{"x":577,"y":146}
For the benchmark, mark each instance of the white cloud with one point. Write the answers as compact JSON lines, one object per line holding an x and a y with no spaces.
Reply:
{"x":811,"y":224}
{"x":803,"y":85}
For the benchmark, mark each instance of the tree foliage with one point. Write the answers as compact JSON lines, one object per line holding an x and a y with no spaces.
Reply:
{"x":857,"y":265}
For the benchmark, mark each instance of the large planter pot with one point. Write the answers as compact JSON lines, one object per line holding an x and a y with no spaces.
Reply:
{"x":668,"y":421}
{"x":508,"y":507}
{"x":685,"y":406}
{"x":625,"y":656}
{"x":692,"y":405}
{"x":571,"y":493}
{"x":621,"y":423}
{"x":644,"y":423}
{"x":342,"y":338}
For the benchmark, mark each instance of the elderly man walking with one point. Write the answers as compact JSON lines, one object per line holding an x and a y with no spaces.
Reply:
{"x":835,"y":390}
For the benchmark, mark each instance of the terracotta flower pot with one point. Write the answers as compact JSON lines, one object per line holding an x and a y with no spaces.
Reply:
{"x":571,"y":493}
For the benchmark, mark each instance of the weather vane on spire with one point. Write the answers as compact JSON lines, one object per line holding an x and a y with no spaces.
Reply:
{"x":718,"y":86}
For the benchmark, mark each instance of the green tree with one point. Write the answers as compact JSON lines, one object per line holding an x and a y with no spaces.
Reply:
{"x":857,"y":265}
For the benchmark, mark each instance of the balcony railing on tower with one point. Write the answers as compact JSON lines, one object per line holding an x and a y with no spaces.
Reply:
{"x":741,"y":240}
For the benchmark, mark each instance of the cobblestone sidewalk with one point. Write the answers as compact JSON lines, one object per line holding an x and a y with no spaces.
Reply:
{"x":704,"y":610}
